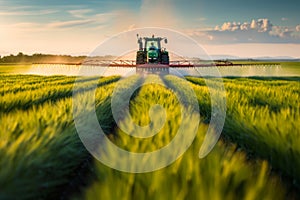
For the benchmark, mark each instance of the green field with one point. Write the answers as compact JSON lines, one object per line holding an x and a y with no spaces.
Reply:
{"x":42,"y":157}
{"x":14,"y":68}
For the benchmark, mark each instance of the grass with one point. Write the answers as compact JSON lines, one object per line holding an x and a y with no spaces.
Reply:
{"x":14,"y":68}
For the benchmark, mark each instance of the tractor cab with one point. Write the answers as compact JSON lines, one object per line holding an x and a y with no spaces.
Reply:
{"x":152,"y":45}
{"x":153,"y":52}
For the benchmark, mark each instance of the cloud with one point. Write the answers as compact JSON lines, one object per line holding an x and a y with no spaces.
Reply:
{"x":282,"y":32}
{"x":253,"y":31}
{"x":260,"y":25}
{"x":68,"y":24}
{"x":89,"y":19}
{"x":26,"y":13}
{"x":284,"y":19}
{"x":247,"y":50}
{"x":81,"y":13}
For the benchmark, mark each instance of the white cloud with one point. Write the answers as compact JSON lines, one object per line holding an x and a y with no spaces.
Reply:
{"x":254,"y":31}
{"x":260,"y":25}
{"x":283,"y":32}
{"x":245,"y":26}
{"x":264,"y":25}
{"x":253,"y":24}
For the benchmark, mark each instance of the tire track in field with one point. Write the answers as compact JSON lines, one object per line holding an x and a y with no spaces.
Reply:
{"x":85,"y":171}
{"x":136,"y":100}
{"x":104,"y":113}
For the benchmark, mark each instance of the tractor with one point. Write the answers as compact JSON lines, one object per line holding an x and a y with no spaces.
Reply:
{"x":151,"y":51}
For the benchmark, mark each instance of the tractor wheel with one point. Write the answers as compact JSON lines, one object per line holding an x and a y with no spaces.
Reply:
{"x":140,"y":58}
{"x":165,"y":59}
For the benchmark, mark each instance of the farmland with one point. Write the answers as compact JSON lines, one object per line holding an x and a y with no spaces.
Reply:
{"x":42,"y":156}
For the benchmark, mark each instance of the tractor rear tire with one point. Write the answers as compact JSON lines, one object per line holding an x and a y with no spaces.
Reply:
{"x":140,"y":58}
{"x":165,"y":59}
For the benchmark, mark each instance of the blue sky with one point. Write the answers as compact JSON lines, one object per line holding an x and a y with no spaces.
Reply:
{"x":241,"y":28}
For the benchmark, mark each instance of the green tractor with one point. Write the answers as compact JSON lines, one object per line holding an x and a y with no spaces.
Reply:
{"x":151,"y":52}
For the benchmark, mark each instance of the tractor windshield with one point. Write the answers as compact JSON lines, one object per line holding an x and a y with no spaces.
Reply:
{"x":151,"y":45}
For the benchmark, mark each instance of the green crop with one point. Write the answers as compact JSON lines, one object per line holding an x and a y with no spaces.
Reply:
{"x":263,"y":117}
{"x":39,"y":148}
{"x":224,"y":174}
{"x":42,"y":156}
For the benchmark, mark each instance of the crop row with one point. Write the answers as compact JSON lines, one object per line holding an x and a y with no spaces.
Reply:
{"x":15,"y":86}
{"x":25,"y":99}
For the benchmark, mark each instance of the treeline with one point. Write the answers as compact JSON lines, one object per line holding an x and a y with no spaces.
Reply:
{"x":41,"y":58}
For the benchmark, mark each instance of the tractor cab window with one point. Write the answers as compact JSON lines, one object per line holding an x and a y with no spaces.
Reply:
{"x":152,"y":45}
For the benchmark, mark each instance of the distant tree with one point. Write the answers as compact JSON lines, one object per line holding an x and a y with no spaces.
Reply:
{"x":41,"y":58}
{"x":20,"y":54}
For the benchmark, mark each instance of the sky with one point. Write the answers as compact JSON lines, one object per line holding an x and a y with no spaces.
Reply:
{"x":237,"y":28}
